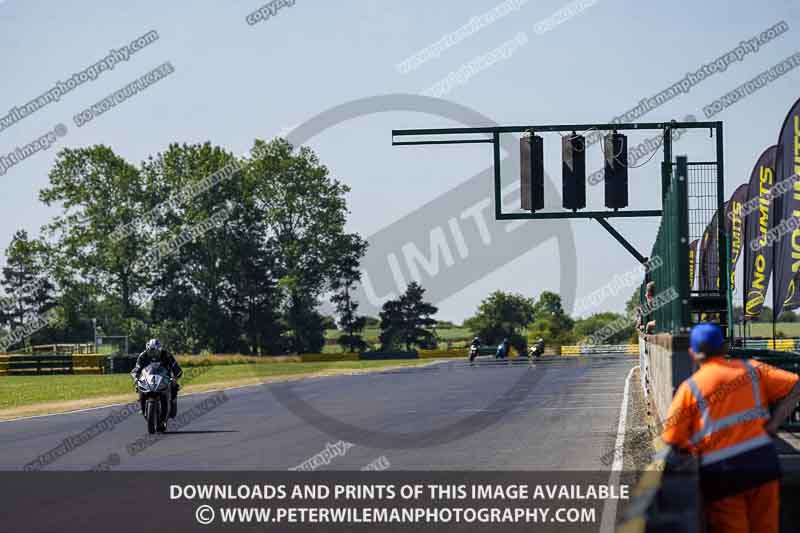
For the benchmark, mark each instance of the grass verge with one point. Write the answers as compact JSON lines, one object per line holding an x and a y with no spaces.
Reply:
{"x":33,"y":395}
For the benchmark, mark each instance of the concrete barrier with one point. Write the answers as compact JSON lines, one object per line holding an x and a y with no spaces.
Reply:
{"x":664,"y":363}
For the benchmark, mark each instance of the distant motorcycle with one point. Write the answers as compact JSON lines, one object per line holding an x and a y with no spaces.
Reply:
{"x":154,"y":385}
{"x":473,"y":353}
{"x":537,"y":350}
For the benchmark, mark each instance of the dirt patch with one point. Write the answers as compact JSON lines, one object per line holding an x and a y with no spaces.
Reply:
{"x":60,"y":407}
{"x":639,"y":449}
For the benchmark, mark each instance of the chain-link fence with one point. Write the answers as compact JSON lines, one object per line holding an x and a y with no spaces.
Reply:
{"x":704,"y":220}
{"x":687,"y":287}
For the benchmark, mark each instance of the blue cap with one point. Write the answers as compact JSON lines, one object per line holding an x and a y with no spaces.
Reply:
{"x":706,"y":337}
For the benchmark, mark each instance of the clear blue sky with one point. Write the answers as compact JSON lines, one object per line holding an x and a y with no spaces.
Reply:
{"x":234,"y":82}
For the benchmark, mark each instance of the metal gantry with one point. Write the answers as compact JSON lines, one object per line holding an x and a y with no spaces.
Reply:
{"x":680,"y":235}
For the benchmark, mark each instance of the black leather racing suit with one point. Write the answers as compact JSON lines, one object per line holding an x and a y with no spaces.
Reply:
{"x":474,"y":353}
{"x":167,"y":361}
{"x":538,"y":349}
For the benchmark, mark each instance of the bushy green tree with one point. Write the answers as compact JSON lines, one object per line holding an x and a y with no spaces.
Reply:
{"x":209,"y":250}
{"x":407,"y":321}
{"x":766,"y":314}
{"x":343,"y":286}
{"x":503,"y":315}
{"x":586,"y":327}
{"x":97,"y":191}
{"x":633,"y":302}
{"x":551,"y":321}
{"x":208,"y":263}
{"x":28,"y":293}
{"x":304,"y":211}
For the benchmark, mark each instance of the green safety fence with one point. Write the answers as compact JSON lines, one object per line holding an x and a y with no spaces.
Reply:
{"x":692,"y":199}
{"x":669,"y":309}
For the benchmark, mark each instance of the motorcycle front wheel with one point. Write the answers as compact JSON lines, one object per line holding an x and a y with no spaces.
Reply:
{"x":163,"y":413}
{"x":152,"y":416}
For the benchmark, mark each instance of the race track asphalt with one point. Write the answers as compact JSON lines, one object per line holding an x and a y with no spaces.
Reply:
{"x":561,"y":414}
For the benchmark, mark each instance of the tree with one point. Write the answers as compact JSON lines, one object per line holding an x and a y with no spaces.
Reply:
{"x":305,"y":330}
{"x":304,"y":211}
{"x":407,"y":320}
{"x":215,"y":252}
{"x":343,"y":286}
{"x":28,"y":291}
{"x":254,"y":301}
{"x":214,"y":275}
{"x":586,"y":327}
{"x":633,"y":302}
{"x":503,"y":315}
{"x":97,"y":190}
{"x":551,"y":322}
{"x":329,"y":323}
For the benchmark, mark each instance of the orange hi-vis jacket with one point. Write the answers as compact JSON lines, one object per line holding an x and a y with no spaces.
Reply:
{"x":719,"y":414}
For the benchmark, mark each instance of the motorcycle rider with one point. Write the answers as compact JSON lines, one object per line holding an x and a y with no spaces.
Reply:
{"x":155,"y":352}
{"x":537,"y":349}
{"x":473,"y":349}
{"x":502,"y":350}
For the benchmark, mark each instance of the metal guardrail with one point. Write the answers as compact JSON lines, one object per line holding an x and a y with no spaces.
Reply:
{"x":66,"y":348}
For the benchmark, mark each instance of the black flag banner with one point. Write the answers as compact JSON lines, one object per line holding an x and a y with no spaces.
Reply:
{"x":757,"y":223}
{"x":709,"y":262}
{"x":734,"y":224}
{"x":787,"y":251}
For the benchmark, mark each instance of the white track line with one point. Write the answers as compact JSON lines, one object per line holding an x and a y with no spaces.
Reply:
{"x":609,"y":519}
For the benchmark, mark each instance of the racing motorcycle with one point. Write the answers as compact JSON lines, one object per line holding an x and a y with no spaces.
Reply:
{"x":473,"y":353}
{"x":536,"y":351}
{"x":154,"y":384}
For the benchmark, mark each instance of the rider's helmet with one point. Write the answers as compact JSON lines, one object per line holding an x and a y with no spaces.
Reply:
{"x":153,"y":347}
{"x":540,"y":340}
{"x":475,"y":339}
